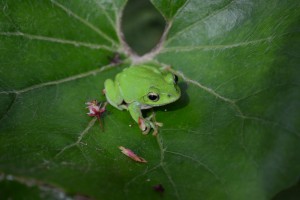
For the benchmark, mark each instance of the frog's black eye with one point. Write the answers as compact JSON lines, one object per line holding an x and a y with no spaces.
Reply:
{"x":175,"y":78}
{"x":153,"y":96}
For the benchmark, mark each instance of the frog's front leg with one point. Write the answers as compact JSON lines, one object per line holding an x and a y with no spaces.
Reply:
{"x":113,"y":95}
{"x":145,"y":124}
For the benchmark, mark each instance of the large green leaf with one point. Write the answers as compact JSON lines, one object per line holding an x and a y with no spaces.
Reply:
{"x":234,"y":134}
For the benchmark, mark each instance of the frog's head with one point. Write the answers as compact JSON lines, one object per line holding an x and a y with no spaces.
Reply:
{"x":163,"y":92}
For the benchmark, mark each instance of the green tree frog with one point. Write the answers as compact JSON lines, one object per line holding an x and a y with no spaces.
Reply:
{"x":142,"y":87}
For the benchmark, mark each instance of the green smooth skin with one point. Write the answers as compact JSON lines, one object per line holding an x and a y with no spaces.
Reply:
{"x":132,"y":86}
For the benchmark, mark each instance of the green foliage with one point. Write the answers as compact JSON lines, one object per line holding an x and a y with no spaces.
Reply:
{"x":234,"y":134}
{"x":168,"y":8}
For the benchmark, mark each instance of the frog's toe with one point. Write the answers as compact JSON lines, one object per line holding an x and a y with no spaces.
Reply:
{"x":144,"y":126}
{"x":155,"y":126}
{"x":145,"y":132}
{"x":159,"y":124}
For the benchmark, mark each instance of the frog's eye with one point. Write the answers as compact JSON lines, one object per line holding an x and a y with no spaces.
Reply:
{"x":175,"y":77}
{"x":153,"y":96}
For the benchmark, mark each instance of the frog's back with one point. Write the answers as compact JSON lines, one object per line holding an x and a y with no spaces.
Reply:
{"x":135,"y":81}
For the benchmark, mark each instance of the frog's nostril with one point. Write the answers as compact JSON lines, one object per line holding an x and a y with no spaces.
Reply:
{"x":169,"y":95}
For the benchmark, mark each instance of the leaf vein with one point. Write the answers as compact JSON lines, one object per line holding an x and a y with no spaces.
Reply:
{"x":232,"y":79}
{"x":145,"y":172}
{"x":111,"y":21}
{"x":209,"y":90}
{"x":216,"y":47}
{"x":81,"y":135}
{"x":197,"y":161}
{"x":155,"y":51}
{"x":40,"y":184}
{"x":243,"y":145}
{"x":9,"y":107}
{"x":85,"y":22}
{"x":270,"y":122}
{"x":58,"y":40}
{"x":199,"y":21}
{"x":181,"y":8}
{"x":163,"y":166}
{"x":56,"y":82}
{"x":263,"y":90}
{"x":171,"y":181}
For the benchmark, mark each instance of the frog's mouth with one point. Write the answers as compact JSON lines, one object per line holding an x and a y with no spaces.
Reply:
{"x":144,"y":107}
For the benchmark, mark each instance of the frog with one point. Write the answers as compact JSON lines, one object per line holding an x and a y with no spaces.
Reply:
{"x":141,"y":87}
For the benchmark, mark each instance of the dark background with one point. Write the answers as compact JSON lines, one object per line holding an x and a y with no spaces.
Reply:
{"x":142,"y":25}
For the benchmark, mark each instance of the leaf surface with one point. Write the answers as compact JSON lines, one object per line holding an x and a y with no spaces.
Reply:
{"x":234,"y":133}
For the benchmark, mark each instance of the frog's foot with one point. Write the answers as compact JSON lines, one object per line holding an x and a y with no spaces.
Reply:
{"x":148,"y":123}
{"x":152,"y":118}
{"x":155,"y":124}
{"x":155,"y":127}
